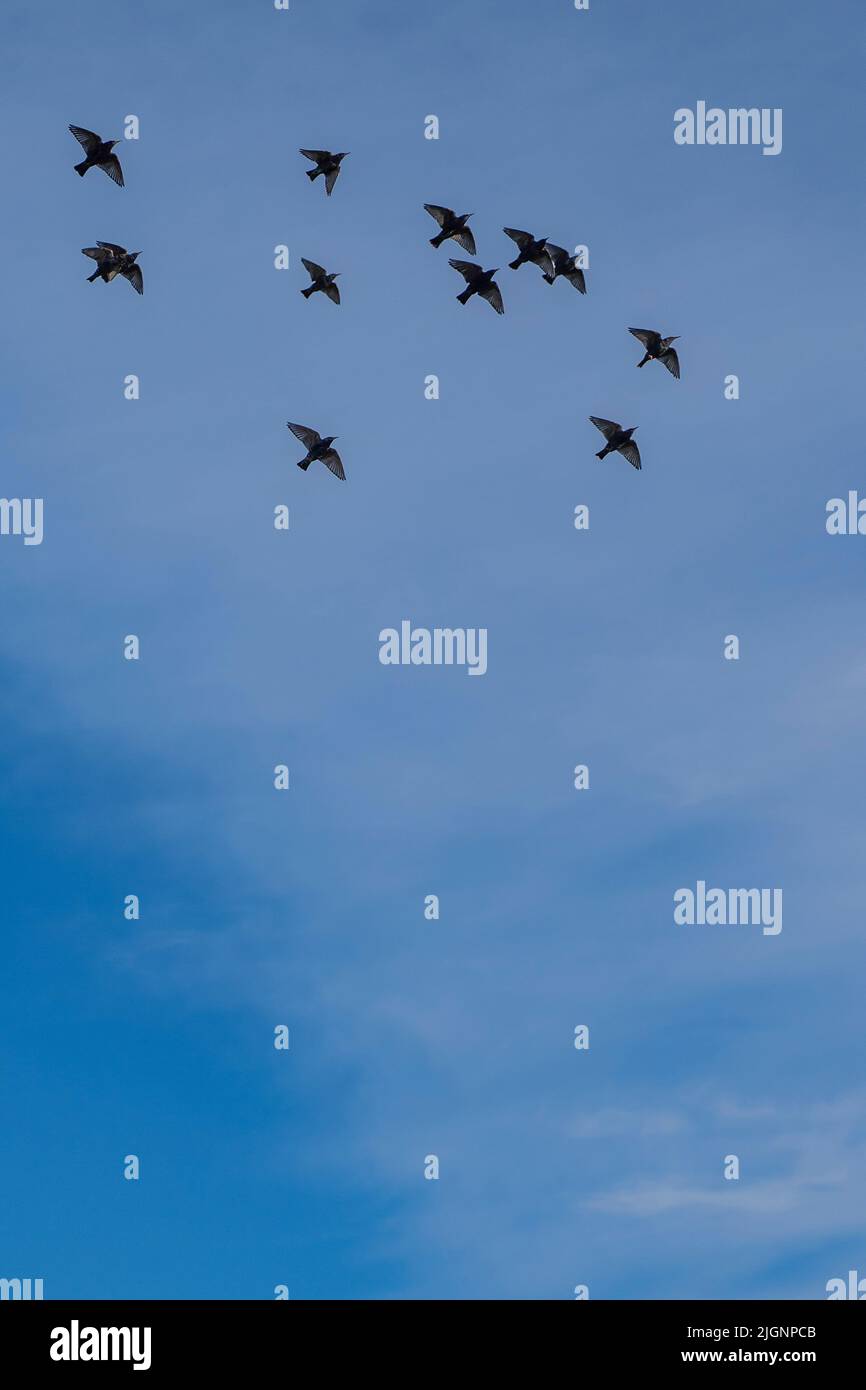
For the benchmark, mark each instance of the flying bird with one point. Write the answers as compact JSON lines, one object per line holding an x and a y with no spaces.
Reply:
{"x":531,"y":249}
{"x":658,"y":349}
{"x":98,"y":154}
{"x":318,"y":448}
{"x":452,"y":226}
{"x":321,"y":280}
{"x":114,"y":260}
{"x":481,"y":282}
{"x":565,"y":267}
{"x":617,"y":439}
{"x":327,"y":164}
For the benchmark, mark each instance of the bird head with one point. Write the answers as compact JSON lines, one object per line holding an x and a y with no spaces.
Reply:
{"x":343,"y":155}
{"x":464,"y":217}
{"x":111,"y":143}
{"x":493,"y":272}
{"x":133,"y":255}
{"x":330,"y":439}
{"x":667,"y":341}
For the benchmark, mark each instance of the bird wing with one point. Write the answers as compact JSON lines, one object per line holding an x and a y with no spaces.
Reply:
{"x":316,"y":155}
{"x":97,"y":253}
{"x":631,"y":452}
{"x":469,"y":271}
{"x":576,"y":277}
{"x":134,"y":276}
{"x":647,"y":336}
{"x":558,"y":254}
{"x":522,"y":238}
{"x":545,"y":261}
{"x":671,"y":361}
{"x":333,"y":292}
{"x":315,"y":270}
{"x":441,"y":214}
{"x":87,"y":139}
{"x":330,"y":180}
{"x":307,"y":436}
{"x":112,"y":168}
{"x":467,"y":241}
{"x":607,"y":427}
{"x":114,"y":250}
{"x":493,"y":295}
{"x":331,"y":459}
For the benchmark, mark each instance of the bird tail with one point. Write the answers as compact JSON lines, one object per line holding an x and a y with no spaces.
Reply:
{"x":307,"y":292}
{"x":312,"y":173}
{"x":603,"y":453}
{"x":514,"y":265}
{"x":81,"y":168}
{"x":304,"y":464}
{"x":464,"y":295}
{"x":94,"y":276}
{"x":438,"y":239}
{"x":549,"y":278}
{"x":646,"y":359}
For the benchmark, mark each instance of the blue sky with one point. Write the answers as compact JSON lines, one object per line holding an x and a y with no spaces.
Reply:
{"x":605,"y":647}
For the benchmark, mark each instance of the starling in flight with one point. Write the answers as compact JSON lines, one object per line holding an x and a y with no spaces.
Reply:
{"x":452,"y":226}
{"x":327,"y":164}
{"x":658,"y":349}
{"x":481,"y":282}
{"x":530,"y":250}
{"x":321,"y":280}
{"x":318,"y":448}
{"x":617,"y":438}
{"x":114,"y":260}
{"x":99,"y":154}
{"x":565,"y":267}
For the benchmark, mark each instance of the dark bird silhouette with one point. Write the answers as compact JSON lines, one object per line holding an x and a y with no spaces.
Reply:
{"x":481,"y":282}
{"x":327,"y":164}
{"x":531,"y":249}
{"x":658,"y":349}
{"x":114,"y":260}
{"x":452,"y":226}
{"x":321,"y":280}
{"x":617,"y":439}
{"x":98,"y":154}
{"x":565,"y":267}
{"x":318,"y":448}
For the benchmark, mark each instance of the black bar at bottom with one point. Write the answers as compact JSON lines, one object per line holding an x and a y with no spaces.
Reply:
{"x":160,"y":1338}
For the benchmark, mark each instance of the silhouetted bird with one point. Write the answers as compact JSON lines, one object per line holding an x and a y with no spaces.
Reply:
{"x":327,"y":164}
{"x":565,"y":267}
{"x":617,"y":439}
{"x":481,"y":282}
{"x":531,"y":249}
{"x":658,"y":349}
{"x":318,"y":448}
{"x":98,"y":154}
{"x":452,"y":226}
{"x":114,"y":260}
{"x":321,"y":281}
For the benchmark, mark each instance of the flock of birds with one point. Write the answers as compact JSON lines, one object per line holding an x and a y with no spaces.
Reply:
{"x":554,"y":262}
